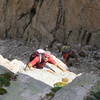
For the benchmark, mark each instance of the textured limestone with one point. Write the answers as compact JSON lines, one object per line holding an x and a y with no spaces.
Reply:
{"x":45,"y":21}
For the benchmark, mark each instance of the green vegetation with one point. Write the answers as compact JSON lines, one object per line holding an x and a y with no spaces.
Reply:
{"x":5,"y":81}
{"x":95,"y":92}
{"x":51,"y":94}
{"x":96,"y":95}
{"x":57,"y":87}
{"x":8,"y":75}
{"x":2,"y":91}
{"x":59,"y":84}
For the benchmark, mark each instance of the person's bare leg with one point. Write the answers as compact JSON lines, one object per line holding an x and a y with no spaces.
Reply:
{"x":51,"y":71}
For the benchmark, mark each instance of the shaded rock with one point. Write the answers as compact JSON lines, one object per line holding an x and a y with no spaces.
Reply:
{"x":96,"y":39}
{"x":82,"y":54}
{"x":94,"y":93}
{"x":90,"y":98}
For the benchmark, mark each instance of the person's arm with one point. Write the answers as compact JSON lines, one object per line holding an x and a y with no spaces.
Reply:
{"x":52,"y":61}
{"x":33,"y":62}
{"x":61,"y":67}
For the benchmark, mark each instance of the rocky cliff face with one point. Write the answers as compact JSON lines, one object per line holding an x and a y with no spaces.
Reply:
{"x":49,"y":21}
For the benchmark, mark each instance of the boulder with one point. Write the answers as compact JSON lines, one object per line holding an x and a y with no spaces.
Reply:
{"x":78,"y":89}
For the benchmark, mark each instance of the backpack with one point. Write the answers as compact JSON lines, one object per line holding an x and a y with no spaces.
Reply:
{"x":37,"y":53}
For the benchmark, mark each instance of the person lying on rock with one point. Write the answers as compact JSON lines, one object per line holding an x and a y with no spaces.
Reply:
{"x":68,"y":53}
{"x":39,"y":59}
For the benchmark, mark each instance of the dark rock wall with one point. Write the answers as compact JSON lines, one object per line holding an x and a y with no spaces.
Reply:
{"x":43,"y":22}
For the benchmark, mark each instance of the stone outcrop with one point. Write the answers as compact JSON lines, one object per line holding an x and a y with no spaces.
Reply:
{"x":78,"y":89}
{"x":31,"y":84}
{"x":49,"y":21}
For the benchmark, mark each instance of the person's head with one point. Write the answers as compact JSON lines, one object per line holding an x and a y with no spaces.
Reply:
{"x":65,"y":49}
{"x":45,"y":57}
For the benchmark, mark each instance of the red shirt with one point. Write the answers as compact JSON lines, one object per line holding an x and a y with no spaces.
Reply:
{"x":66,"y":56}
{"x":36,"y":62}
